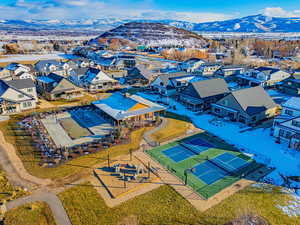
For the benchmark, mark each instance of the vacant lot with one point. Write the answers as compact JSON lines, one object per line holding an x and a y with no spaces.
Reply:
{"x":37,"y":213}
{"x":165,"y":206}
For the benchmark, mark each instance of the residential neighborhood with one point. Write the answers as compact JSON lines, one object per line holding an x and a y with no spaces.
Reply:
{"x":130,"y":113}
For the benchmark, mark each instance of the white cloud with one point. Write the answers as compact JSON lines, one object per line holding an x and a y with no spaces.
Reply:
{"x":280,"y":12}
{"x":97,"y":9}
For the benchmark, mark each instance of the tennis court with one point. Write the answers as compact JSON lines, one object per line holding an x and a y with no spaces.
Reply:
{"x":208,"y":172}
{"x":187,"y":148}
{"x":205,"y":168}
{"x":199,"y":142}
{"x":217,"y":168}
{"x":178,"y":153}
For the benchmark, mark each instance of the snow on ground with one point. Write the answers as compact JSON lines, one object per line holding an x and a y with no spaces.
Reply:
{"x":293,"y":206}
{"x":58,"y":56}
{"x":278,"y":97}
{"x":257,"y":142}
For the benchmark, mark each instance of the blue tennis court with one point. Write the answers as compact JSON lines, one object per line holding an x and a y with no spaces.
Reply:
{"x":178,"y":153}
{"x":230,"y":162}
{"x":208,"y":172}
{"x":199,"y":142}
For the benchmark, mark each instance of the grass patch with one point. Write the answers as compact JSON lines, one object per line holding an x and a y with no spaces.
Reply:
{"x":173,"y":129}
{"x":177,"y":117}
{"x":30,"y":157}
{"x":7,"y":191}
{"x":165,"y":206}
{"x":37,"y":213}
{"x":84,"y":100}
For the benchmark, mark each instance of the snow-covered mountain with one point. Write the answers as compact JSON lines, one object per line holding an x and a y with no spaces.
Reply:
{"x":153,"y":34}
{"x":86,"y":24}
{"x":255,"y":24}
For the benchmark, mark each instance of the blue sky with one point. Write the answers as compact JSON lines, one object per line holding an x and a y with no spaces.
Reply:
{"x":189,"y":10}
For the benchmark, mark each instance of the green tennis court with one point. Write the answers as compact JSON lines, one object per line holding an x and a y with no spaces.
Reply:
{"x":207,"y":169}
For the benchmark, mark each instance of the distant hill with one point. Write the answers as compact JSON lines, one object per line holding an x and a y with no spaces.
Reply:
{"x":252,"y":24}
{"x":256,"y":23}
{"x":153,"y":34}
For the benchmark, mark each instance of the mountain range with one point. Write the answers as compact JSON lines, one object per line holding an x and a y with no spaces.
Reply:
{"x":252,"y":24}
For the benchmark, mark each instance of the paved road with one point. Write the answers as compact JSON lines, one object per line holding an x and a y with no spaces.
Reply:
{"x":50,"y":198}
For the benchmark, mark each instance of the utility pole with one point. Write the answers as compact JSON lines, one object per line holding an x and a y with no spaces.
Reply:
{"x":148,"y":170}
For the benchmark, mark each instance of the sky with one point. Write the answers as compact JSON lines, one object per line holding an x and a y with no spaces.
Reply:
{"x":186,"y":10}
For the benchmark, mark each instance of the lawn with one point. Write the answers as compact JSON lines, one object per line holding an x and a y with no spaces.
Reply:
{"x":173,"y":129}
{"x":7,"y":191}
{"x":37,"y":213}
{"x":165,"y":206}
{"x":30,"y":157}
{"x":84,"y":100}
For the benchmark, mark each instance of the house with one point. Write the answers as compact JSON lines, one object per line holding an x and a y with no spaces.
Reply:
{"x":170,"y":84}
{"x":54,"y":87}
{"x":125,"y":62}
{"x":131,"y":109}
{"x":17,"y":96}
{"x":44,"y":67}
{"x":25,"y":85}
{"x":190,"y":65}
{"x":106,"y":63}
{"x":139,"y":75}
{"x":227,"y":71}
{"x":248,"y":106}
{"x":5,"y":74}
{"x":97,"y":80}
{"x":286,"y":127}
{"x":198,"y":96}
{"x":18,"y":71}
{"x":77,"y":74}
{"x":262,"y":76}
{"x":290,"y":86}
{"x":208,"y":69}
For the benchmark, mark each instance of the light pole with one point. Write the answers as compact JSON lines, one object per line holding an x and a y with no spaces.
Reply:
{"x":186,"y":172}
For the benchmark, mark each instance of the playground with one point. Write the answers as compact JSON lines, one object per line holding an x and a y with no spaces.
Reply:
{"x":121,"y":177}
{"x":207,"y":169}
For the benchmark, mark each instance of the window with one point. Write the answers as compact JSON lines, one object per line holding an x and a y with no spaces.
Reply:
{"x":20,"y":96}
{"x":226,"y":102}
{"x":296,"y":123}
{"x":288,"y":112}
{"x":217,"y":110}
{"x":27,"y":104}
{"x":284,"y":133}
{"x":30,"y":90}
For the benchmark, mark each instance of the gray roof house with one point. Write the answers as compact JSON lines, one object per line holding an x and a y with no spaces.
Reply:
{"x":199,"y":95}
{"x":139,"y":75}
{"x":249,"y":106}
{"x":17,"y":96}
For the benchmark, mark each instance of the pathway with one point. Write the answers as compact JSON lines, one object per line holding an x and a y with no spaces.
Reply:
{"x":148,"y":134}
{"x":44,"y":195}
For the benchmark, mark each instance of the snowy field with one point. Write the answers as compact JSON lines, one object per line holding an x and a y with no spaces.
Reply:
{"x":58,"y":56}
